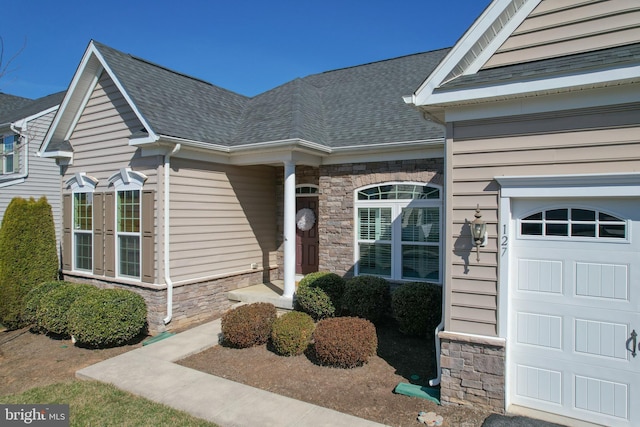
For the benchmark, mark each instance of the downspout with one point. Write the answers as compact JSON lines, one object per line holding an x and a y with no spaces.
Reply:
{"x":25,"y":174}
{"x":167,"y":272}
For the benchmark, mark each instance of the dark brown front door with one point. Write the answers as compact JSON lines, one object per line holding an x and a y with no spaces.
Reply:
{"x":307,"y":241}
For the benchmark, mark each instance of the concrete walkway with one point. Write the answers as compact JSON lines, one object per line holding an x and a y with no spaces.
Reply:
{"x":150,"y":372}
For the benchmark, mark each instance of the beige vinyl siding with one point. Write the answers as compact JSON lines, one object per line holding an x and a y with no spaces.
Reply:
{"x":44,"y":174}
{"x":100,"y":142}
{"x":563,"y":27}
{"x":573,"y":148}
{"x":223,"y":219}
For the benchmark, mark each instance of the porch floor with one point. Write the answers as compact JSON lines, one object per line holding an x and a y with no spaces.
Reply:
{"x":265,"y":292}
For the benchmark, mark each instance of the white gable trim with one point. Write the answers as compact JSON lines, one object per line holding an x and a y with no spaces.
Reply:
{"x":475,"y":39}
{"x":77,"y":96}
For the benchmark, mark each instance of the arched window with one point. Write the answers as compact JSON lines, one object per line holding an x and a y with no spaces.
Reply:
{"x":398,"y":231}
{"x":83,"y":187}
{"x":128,"y":185}
{"x":579,"y":223}
{"x":308,"y":190}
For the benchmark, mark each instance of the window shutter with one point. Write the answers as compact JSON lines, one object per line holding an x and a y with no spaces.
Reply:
{"x":66,"y":231}
{"x":109,"y":235}
{"x":148,"y":234}
{"x":98,"y":234}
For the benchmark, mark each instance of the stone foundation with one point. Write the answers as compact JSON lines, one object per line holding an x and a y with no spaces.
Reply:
{"x":473,"y":371}
{"x":192,"y":302}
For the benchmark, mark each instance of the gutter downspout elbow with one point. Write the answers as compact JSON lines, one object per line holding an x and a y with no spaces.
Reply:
{"x":167,"y":268}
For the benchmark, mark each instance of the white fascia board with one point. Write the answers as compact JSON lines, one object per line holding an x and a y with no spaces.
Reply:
{"x":536,"y":87}
{"x":570,"y":185}
{"x":57,"y":154}
{"x":468,"y":40}
{"x":39,"y":114}
{"x":123,"y":92}
{"x":542,"y":103}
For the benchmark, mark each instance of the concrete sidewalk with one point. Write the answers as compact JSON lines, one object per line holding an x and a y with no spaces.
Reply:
{"x":150,"y":372}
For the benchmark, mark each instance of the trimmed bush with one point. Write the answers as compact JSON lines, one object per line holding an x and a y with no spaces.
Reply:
{"x":291,"y":333}
{"x":52,"y":313}
{"x":368,"y":297}
{"x":345,"y":342}
{"x":107,"y":317}
{"x":28,"y":255}
{"x":320,"y":294}
{"x":248,"y":325}
{"x":417,"y":307}
{"x":32,"y":302}
{"x":315,"y":302}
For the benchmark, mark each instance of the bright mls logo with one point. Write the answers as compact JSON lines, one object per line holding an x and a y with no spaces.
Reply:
{"x":36,"y":415}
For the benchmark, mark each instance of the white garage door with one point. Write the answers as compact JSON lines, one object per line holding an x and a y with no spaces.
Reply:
{"x":574,"y":308}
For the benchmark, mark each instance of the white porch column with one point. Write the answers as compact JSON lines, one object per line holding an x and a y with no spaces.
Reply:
{"x":289,"y":229}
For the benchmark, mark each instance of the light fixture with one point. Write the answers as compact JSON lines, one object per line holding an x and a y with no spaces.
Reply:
{"x":479,"y":232}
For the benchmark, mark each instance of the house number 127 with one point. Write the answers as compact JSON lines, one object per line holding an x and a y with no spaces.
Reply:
{"x":504,"y":242}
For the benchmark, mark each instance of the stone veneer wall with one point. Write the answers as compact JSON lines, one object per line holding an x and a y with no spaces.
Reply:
{"x":336,"y":216}
{"x":473,"y":371}
{"x":192,"y":302}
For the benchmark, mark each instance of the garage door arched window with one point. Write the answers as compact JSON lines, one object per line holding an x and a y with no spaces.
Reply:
{"x":573,"y":223}
{"x":398,"y":231}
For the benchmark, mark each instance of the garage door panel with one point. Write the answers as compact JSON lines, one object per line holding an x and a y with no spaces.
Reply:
{"x":574,"y":303}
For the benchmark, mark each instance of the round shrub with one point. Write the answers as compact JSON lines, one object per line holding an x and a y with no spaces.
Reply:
{"x":368,"y":297}
{"x":52,"y":313}
{"x":107,"y":317}
{"x":417,"y":307}
{"x":315,"y":302}
{"x":292,"y":333}
{"x":320,"y":294}
{"x":248,"y":325}
{"x":32,"y":302}
{"x":330,"y":283}
{"x":345,"y":342}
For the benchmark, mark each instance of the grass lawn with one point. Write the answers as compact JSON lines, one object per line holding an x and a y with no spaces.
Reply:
{"x":97,"y":404}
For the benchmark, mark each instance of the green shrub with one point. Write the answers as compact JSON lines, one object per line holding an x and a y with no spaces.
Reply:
{"x":107,"y":317}
{"x":32,"y":302}
{"x":315,"y":302}
{"x":345,"y":342}
{"x":417,"y":307}
{"x":28,"y":255}
{"x":330,"y":283}
{"x":52,"y":313}
{"x":368,"y":297}
{"x":320,"y":294}
{"x":292,"y":333}
{"x":248,"y":325}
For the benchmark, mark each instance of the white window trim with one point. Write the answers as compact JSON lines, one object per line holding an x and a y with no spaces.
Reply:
{"x":316,"y":194}
{"x":80,"y":183}
{"x":127,"y":180}
{"x":396,"y":206}
{"x":6,"y":154}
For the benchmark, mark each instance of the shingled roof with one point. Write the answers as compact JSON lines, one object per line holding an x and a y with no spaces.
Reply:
{"x":354,"y":106}
{"x":592,"y":61}
{"x":27,"y":107}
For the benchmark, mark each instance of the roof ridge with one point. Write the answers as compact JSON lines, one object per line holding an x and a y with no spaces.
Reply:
{"x":383,"y":60}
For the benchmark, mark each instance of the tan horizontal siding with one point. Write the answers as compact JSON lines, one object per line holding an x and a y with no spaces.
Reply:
{"x":223,"y":219}
{"x":557,"y":28}
{"x":475,"y":164}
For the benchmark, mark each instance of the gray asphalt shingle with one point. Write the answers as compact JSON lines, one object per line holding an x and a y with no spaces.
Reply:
{"x":360,"y":105}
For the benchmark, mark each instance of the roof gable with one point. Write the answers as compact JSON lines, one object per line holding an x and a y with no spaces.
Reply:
{"x":520,"y":48}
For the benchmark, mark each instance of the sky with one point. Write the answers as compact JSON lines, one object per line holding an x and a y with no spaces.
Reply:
{"x":246,"y":46}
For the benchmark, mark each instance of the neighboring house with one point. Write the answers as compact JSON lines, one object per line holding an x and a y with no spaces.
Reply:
{"x":182,"y":191}
{"x":541,"y":102}
{"x":23,"y":173}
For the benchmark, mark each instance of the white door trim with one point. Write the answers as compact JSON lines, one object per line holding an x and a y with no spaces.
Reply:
{"x":545,"y":186}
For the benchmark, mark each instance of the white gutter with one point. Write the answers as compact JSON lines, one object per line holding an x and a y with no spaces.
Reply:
{"x":23,"y":176}
{"x":167,"y":272}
